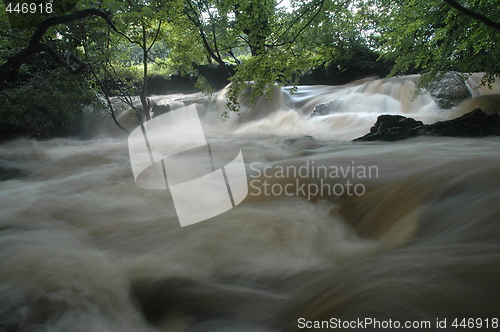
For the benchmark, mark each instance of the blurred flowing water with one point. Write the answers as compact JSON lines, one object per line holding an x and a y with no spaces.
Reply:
{"x":83,"y":248}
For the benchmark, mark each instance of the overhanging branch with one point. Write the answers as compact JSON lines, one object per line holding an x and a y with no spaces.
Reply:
{"x":473,"y":14}
{"x":10,"y":69}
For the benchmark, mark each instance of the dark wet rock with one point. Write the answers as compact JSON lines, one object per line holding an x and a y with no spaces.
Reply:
{"x":158,"y":109}
{"x":393,"y":128}
{"x":449,"y":90}
{"x":387,"y":122}
{"x":397,"y":127}
{"x":473,"y":124}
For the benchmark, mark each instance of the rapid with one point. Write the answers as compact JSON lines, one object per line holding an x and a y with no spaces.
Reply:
{"x":403,"y":231}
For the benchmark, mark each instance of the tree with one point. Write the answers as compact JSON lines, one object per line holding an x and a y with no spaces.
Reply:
{"x":150,"y":32}
{"x":144,"y":28}
{"x":288,"y":41}
{"x":9,"y":70}
{"x":437,"y":36}
{"x":475,"y":15}
{"x":43,"y":80}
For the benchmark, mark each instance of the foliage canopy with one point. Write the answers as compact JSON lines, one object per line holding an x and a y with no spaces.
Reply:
{"x":117,"y":45}
{"x":433,"y":37}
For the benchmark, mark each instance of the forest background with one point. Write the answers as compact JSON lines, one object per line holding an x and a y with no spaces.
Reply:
{"x":63,"y":62}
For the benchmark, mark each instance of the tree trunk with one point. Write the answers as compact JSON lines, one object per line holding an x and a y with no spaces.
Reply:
{"x":146,"y":105}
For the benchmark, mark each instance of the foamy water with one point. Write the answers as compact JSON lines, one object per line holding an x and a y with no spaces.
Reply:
{"x":85,"y":249}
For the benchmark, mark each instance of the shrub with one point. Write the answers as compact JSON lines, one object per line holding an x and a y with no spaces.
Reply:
{"x":48,"y":104}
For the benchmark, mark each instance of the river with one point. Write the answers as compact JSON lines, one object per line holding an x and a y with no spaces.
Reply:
{"x":331,"y":230}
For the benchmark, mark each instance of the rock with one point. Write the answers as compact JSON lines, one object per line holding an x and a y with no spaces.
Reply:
{"x":320,"y":109}
{"x":160,"y":109}
{"x":473,"y":124}
{"x":387,"y":122}
{"x":393,"y":128}
{"x":397,"y":127}
{"x":449,"y":90}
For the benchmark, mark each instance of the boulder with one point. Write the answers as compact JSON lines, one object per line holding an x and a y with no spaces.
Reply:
{"x":387,"y":122}
{"x":397,"y":127}
{"x":473,"y":124}
{"x":320,"y":109}
{"x":160,"y":109}
{"x":449,"y":90}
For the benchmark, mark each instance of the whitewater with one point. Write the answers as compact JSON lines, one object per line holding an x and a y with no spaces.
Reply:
{"x":83,"y":248}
